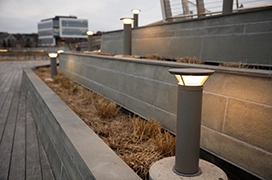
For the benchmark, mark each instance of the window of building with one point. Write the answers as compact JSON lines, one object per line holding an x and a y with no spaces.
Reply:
{"x":46,"y":25}
{"x":74,"y":32}
{"x":46,"y":33}
{"x":74,"y":23}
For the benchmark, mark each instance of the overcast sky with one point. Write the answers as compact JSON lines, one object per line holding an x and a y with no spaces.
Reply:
{"x":22,"y":16}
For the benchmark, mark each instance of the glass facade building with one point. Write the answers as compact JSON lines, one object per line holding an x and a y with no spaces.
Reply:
{"x":61,"y":29}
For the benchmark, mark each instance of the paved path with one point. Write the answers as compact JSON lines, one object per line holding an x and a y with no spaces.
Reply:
{"x":22,"y":155}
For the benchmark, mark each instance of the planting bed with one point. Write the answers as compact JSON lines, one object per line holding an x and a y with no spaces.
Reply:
{"x":138,"y":142}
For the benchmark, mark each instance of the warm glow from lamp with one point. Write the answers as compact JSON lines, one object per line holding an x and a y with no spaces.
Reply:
{"x":180,"y":82}
{"x":135,"y":11}
{"x":90,"y":33}
{"x":127,"y":20}
{"x":191,"y":77}
{"x":3,"y":50}
{"x":53,"y":55}
{"x":193,"y":80}
{"x":60,"y":51}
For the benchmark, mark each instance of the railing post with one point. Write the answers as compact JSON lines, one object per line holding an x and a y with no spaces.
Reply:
{"x":227,"y":6}
{"x":200,"y":8}
{"x":166,"y":10}
{"x":185,"y":7}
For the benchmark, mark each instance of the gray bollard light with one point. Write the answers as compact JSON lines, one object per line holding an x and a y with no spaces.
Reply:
{"x":190,"y":88}
{"x":53,"y":64}
{"x":127,"y":35}
{"x":90,"y":40}
{"x":135,"y":13}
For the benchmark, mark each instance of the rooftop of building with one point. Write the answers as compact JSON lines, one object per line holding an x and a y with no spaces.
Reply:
{"x":58,"y":17}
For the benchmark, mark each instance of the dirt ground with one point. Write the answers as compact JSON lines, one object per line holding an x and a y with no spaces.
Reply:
{"x":139,"y":142}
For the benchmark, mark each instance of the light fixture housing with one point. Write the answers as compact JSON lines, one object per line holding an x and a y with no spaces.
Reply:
{"x":136,"y":11}
{"x":53,"y":55}
{"x":191,"y":77}
{"x":127,"y":20}
{"x":90,"y":33}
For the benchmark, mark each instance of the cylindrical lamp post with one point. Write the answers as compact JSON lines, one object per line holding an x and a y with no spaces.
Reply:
{"x":190,"y":87}
{"x":53,"y":64}
{"x":136,"y":13}
{"x":90,"y":40}
{"x":127,"y":35}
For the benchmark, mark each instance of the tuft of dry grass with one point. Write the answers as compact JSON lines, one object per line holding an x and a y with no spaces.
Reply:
{"x":154,"y":57}
{"x":104,"y":54}
{"x":139,"y":142}
{"x":233,"y":64}
{"x":190,"y":60}
{"x":105,"y":108}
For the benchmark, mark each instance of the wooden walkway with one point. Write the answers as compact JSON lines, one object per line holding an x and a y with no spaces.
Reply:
{"x":22,"y":155}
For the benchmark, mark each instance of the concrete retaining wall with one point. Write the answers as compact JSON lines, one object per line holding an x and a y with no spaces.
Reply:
{"x":237,"y":103}
{"x":73,"y":149}
{"x":238,"y":37}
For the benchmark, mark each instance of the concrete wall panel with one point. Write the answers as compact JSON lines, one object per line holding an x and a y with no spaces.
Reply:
{"x":213,"y":111}
{"x":249,"y":88}
{"x":250,"y":123}
{"x":243,"y":154}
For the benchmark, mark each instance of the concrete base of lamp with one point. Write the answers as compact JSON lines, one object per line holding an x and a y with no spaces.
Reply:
{"x":163,"y":169}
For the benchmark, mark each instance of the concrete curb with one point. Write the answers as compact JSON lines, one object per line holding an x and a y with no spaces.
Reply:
{"x":73,"y":149}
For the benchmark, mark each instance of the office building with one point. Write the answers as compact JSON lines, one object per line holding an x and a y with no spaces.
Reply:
{"x":62,"y":30}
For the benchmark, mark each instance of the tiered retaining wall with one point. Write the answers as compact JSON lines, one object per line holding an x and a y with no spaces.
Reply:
{"x":237,"y":103}
{"x":239,"y":37}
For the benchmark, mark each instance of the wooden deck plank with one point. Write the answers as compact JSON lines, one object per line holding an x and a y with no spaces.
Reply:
{"x":4,"y":70}
{"x":17,"y":167}
{"x":33,"y":167}
{"x":8,"y":133}
{"x":5,"y":86}
{"x":21,"y":153}
{"x":4,"y":111}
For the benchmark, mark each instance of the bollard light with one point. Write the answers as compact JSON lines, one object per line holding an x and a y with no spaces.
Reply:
{"x":135,"y":13}
{"x":190,"y":88}
{"x":3,"y":50}
{"x":191,"y":77}
{"x":90,"y":33}
{"x":90,"y":40}
{"x":127,"y":35}
{"x":127,"y":20}
{"x":53,"y":64}
{"x":60,"y":51}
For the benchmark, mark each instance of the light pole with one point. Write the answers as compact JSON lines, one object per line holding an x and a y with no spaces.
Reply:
{"x":53,"y":64}
{"x":90,"y":40}
{"x":127,"y":35}
{"x":136,"y":13}
{"x":190,"y":87}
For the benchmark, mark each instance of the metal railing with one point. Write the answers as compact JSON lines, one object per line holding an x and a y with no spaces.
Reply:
{"x":176,"y":9}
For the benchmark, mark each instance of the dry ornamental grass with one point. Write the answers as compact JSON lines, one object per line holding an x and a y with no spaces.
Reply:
{"x":139,"y":142}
